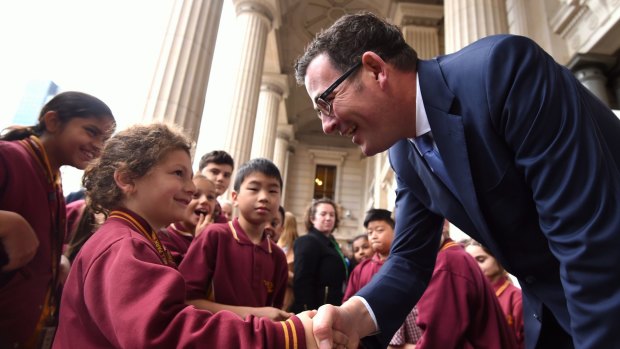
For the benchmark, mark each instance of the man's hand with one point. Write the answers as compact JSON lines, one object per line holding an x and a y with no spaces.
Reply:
{"x":351,"y":319}
{"x":340,"y":340}
{"x":19,"y":240}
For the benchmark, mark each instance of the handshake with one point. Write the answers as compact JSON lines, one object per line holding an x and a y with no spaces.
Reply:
{"x":337,"y":327}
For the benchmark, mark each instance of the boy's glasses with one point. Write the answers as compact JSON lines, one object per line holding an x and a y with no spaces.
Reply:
{"x":323,"y":107}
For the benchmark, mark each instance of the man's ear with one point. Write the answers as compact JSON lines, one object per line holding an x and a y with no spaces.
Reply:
{"x":52,"y":122}
{"x":123,"y":181}
{"x":373,"y":63}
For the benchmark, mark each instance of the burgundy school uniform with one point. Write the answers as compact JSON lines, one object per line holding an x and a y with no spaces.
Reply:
{"x":361,"y":275}
{"x":176,"y":239}
{"x":510,"y":300}
{"x":224,"y":266}
{"x":25,"y":189}
{"x":75,"y":210}
{"x":120,"y":294}
{"x":459,"y":308}
{"x":409,"y":332}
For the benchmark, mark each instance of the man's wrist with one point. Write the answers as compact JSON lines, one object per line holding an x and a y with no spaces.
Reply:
{"x":360,"y":310}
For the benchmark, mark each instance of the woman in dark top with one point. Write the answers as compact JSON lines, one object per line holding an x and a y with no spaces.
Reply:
{"x":320,"y":266}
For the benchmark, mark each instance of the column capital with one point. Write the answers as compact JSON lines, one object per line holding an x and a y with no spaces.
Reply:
{"x":405,"y":13}
{"x":278,"y":83}
{"x":286,"y":132}
{"x":262,"y":8}
{"x":582,"y":61}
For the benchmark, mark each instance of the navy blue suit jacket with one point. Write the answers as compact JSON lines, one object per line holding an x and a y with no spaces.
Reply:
{"x":534,"y":158}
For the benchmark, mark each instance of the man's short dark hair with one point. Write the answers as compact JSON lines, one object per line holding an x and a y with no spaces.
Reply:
{"x":219,"y":157}
{"x":259,"y":165}
{"x":378,"y":214}
{"x":352,"y":35}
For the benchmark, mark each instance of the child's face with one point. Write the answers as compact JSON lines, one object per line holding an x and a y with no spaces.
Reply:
{"x":380,"y":235}
{"x":275,"y":227}
{"x":220,"y":174}
{"x":80,"y":140}
{"x":163,"y":194}
{"x":324,"y":219}
{"x":258,"y":198}
{"x":486,"y":262}
{"x":361,"y":249}
{"x":203,"y":201}
{"x":227,"y":210}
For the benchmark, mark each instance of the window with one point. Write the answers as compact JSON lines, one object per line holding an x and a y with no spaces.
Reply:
{"x":325,"y":182}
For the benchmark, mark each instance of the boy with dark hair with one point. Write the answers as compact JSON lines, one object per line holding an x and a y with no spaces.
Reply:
{"x":234,"y":266}
{"x":379,"y":225}
{"x":380,"y":228}
{"x":218,"y":167}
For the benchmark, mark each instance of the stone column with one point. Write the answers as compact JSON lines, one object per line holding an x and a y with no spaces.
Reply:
{"x":469,"y":20}
{"x":420,"y":24}
{"x":273,"y":89}
{"x":283,"y":150}
{"x":593,"y":79}
{"x":254,"y":20}
{"x":591,"y":70}
{"x":425,"y":40}
{"x":179,"y":86}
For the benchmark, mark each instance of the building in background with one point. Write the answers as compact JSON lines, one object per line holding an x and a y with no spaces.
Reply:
{"x":36,"y":94}
{"x":270,"y":116}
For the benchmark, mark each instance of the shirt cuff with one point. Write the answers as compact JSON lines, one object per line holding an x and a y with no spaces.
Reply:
{"x":372,"y":314}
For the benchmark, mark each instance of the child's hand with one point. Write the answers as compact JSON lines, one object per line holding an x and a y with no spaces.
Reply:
{"x":203,"y":221}
{"x":272,"y":313}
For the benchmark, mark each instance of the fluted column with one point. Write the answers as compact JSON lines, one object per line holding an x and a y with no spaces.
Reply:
{"x":283,"y":150}
{"x":254,"y":21}
{"x":469,"y":20}
{"x":425,"y":40}
{"x":272,"y":90}
{"x":591,"y":70}
{"x":179,"y":86}
{"x":420,"y":24}
{"x":284,"y":136}
{"x":593,"y":79}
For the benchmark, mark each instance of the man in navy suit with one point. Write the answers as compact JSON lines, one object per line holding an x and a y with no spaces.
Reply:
{"x":503,"y":142}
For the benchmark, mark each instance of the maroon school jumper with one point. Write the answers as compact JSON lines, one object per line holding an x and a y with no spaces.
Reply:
{"x":510,"y":300}
{"x":361,"y":275}
{"x":459,"y":308}
{"x":120,"y":294}
{"x":25,"y":189}
{"x":176,"y":239}
{"x":224,"y":266}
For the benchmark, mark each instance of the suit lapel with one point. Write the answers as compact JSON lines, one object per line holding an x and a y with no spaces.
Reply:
{"x":449,"y":135}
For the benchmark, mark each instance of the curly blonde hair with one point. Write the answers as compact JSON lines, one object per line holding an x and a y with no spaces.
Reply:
{"x":133,"y":151}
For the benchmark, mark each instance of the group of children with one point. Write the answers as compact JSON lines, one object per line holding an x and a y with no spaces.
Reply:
{"x":124,"y":289}
{"x":165,"y":268}
{"x":464,"y":306}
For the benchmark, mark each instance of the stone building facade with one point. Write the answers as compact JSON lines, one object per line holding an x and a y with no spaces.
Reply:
{"x":270,"y":116}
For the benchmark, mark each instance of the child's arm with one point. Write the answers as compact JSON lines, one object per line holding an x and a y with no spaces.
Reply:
{"x":18,"y":240}
{"x":268,"y":312}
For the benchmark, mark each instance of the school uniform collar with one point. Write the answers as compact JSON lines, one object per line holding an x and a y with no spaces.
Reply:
{"x":376,"y":258}
{"x":242,"y":238}
{"x":141,"y":222}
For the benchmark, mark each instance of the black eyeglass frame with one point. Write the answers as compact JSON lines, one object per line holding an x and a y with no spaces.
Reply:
{"x":323,"y":106}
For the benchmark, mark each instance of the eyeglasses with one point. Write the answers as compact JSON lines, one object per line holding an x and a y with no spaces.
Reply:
{"x":323,"y":107}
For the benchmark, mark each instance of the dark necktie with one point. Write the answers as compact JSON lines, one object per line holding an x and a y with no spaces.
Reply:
{"x":426,"y":148}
